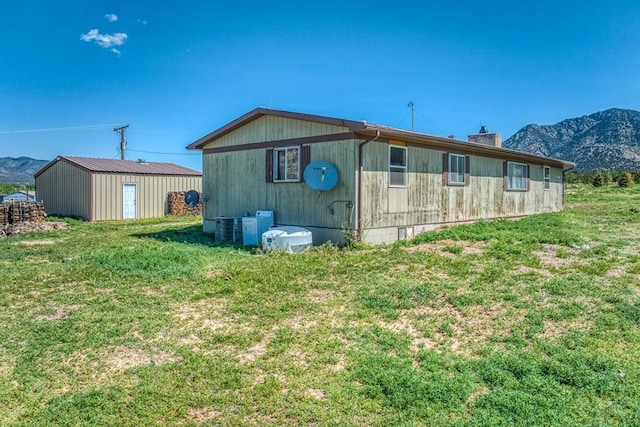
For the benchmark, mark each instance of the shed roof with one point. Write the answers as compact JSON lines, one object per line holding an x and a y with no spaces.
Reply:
{"x":123,"y":166}
{"x":365,"y":129}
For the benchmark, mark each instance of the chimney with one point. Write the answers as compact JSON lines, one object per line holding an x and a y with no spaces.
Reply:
{"x":485,"y":138}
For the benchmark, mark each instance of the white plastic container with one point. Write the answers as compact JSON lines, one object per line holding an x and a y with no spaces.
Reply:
{"x":286,"y":238}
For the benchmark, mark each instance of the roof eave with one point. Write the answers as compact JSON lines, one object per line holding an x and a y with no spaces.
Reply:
{"x":448,"y":143}
{"x":352,"y":125}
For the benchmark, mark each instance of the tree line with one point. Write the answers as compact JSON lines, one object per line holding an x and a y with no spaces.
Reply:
{"x":602,"y":178}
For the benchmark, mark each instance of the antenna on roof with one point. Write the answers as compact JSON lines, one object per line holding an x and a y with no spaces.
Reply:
{"x":123,"y":140}
{"x":411,"y":104}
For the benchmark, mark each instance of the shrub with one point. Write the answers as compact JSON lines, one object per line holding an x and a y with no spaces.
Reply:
{"x":598,"y":180}
{"x":625,"y":179}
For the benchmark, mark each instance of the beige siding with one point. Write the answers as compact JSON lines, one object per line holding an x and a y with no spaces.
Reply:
{"x":235,"y":183}
{"x":429,"y":202}
{"x":65,"y":190}
{"x":270,"y":128}
{"x":151,"y":196}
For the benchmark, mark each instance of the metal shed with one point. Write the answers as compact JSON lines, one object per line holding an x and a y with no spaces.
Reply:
{"x":106,"y":189}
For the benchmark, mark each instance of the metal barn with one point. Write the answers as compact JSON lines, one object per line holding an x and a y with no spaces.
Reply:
{"x":106,"y":189}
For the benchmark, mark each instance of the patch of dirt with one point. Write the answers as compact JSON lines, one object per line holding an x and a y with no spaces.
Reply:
{"x":549,"y":255}
{"x":320,"y":295}
{"x":58,"y":313}
{"x":468,"y":248}
{"x":123,"y":358}
{"x":318,"y":394}
{"x":254,"y":352}
{"x":29,"y":227}
{"x":469,"y":331}
{"x":201,"y":415}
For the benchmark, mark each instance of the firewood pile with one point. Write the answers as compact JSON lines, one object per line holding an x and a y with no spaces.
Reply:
{"x":17,"y":212}
{"x":177,"y":205}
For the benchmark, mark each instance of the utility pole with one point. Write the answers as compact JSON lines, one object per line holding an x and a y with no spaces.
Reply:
{"x":123,"y":140}
{"x":411,"y":104}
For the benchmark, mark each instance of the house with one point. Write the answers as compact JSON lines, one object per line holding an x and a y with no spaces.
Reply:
{"x":107,"y":189}
{"x":392,"y":183}
{"x":18,"y":196}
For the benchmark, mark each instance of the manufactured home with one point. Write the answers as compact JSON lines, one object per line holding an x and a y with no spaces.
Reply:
{"x":108,"y":189}
{"x":389,"y":184}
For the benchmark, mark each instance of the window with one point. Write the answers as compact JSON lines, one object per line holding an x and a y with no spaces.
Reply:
{"x":286,"y":164}
{"x":517,"y":176}
{"x":397,"y":166}
{"x":456,"y":169}
{"x":546,"y":170}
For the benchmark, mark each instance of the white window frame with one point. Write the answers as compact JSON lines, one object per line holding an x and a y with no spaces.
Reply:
{"x":395,"y":169}
{"x":511,"y":167}
{"x":546,"y":177}
{"x":276,"y":164}
{"x":457,"y":177}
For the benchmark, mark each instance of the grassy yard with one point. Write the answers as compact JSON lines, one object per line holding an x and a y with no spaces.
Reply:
{"x":531,"y":322}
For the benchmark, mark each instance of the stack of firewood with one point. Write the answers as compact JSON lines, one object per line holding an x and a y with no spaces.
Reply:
{"x":177,"y":205}
{"x":16,"y":212}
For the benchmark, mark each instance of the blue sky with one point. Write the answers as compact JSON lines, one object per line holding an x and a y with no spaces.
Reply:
{"x":174,"y":71}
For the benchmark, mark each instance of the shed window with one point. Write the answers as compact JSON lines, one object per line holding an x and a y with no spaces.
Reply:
{"x":397,"y":166}
{"x":517,"y":176}
{"x":546,"y":170}
{"x":286,"y":164}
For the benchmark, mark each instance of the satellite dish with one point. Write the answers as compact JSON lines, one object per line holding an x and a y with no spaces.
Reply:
{"x":192,"y":198}
{"x":321,"y":175}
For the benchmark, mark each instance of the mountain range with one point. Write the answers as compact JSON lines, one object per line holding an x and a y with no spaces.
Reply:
{"x":606,"y":140}
{"x":19,"y":170}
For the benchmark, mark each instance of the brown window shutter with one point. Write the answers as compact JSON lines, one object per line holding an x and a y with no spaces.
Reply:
{"x":305,"y":159}
{"x":445,"y":168}
{"x":269,"y":165}
{"x":528,"y":177}
{"x":467,"y":171}
{"x":505,"y":178}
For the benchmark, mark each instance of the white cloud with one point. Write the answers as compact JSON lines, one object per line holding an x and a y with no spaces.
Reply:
{"x":116,"y":51}
{"x":142,"y":21}
{"x":111,"y":17}
{"x":105,"y":40}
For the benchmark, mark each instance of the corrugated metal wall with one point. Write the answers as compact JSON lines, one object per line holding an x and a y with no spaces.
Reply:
{"x":151,"y":198}
{"x":65,"y":190}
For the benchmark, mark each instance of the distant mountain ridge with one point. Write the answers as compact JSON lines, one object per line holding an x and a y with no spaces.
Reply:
{"x":606,"y":140}
{"x":20,"y":169}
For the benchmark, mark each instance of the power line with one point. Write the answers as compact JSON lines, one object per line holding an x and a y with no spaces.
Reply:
{"x":168,"y":154}
{"x":88,"y":127}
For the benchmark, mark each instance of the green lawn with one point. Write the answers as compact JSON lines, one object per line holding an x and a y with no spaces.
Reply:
{"x":532,"y":322}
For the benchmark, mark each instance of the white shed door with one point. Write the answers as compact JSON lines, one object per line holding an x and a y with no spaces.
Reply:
{"x":129,"y":201}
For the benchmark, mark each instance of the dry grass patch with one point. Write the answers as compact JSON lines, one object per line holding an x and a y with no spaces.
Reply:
{"x":58,"y":313}
{"x":121,"y":358}
{"x":449,"y":328}
{"x":201,"y":415}
{"x":554,"y":330}
{"x":440,"y":247}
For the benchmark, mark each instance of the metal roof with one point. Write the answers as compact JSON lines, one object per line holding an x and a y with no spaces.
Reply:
{"x":365,"y":129}
{"x":123,"y":166}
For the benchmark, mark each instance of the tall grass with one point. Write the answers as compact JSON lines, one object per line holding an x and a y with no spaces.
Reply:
{"x":151,"y":322}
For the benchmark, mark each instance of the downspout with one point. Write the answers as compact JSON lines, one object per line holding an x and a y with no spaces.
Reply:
{"x":360,"y":170}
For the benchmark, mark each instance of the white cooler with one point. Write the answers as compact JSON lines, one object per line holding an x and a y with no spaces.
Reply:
{"x":286,"y":238}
